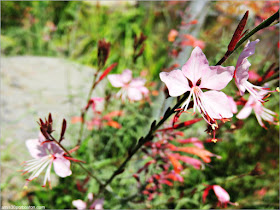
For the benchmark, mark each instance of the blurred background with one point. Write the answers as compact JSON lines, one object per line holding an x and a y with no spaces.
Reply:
{"x":49,"y":53}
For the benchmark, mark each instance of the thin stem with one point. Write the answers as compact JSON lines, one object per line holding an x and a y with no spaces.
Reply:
{"x":84,"y":111}
{"x":142,"y":141}
{"x":263,"y":25}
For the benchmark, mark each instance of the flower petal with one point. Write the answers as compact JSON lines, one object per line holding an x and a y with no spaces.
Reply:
{"x":245,"y":112}
{"x":232,"y":104}
{"x":134,"y":94}
{"x":196,"y":66}
{"x":217,"y":104}
{"x":116,"y":80}
{"x":137,"y":82}
{"x":176,"y":82}
{"x":242,"y":65}
{"x":126,"y":76}
{"x":221,"y":194}
{"x":79,"y":204}
{"x":35,"y":148}
{"x":217,"y":77}
{"x":62,"y":166}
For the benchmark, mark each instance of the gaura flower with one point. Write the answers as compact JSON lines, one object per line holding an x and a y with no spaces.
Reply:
{"x":196,"y":74}
{"x":133,"y":89}
{"x":260,"y":111}
{"x":241,"y":73}
{"x":45,"y":155}
{"x":97,"y":204}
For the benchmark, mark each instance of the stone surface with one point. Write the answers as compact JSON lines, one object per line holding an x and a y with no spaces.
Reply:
{"x":31,"y":87}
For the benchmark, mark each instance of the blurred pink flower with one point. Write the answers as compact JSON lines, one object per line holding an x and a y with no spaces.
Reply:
{"x":97,"y":204}
{"x":241,"y":74}
{"x":260,"y":111}
{"x":45,"y":154}
{"x":221,"y":193}
{"x":133,"y":89}
{"x":79,"y":204}
{"x":196,"y":75}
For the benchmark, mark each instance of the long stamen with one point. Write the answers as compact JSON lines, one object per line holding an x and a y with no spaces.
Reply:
{"x":47,"y":175}
{"x":186,"y":103}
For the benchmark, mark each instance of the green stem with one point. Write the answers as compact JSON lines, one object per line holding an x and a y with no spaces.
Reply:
{"x":263,"y":25}
{"x":84,"y":111}
{"x":142,"y":141}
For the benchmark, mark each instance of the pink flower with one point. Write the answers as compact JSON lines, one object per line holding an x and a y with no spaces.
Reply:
{"x":241,"y":73}
{"x":97,"y":204}
{"x":260,"y":111}
{"x":79,"y":204}
{"x":133,"y":89}
{"x":221,"y":193}
{"x":196,"y":75}
{"x":45,"y":154}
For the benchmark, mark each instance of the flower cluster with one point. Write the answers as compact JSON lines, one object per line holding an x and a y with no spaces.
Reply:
{"x":133,"y":89}
{"x":168,"y":156}
{"x":196,"y":75}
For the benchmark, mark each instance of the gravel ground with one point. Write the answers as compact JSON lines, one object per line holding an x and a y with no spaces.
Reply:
{"x":31,"y":87}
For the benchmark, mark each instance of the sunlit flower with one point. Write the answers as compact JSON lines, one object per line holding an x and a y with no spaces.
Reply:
{"x":241,"y":73}
{"x":45,"y":154}
{"x":196,"y":75}
{"x":260,"y":111}
{"x":133,"y":89}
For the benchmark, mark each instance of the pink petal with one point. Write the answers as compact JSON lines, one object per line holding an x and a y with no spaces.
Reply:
{"x":53,"y":148}
{"x":217,"y":77}
{"x":221,"y":194}
{"x":116,"y":80}
{"x":35,"y":149}
{"x":176,"y":82}
{"x":249,"y":50}
{"x":144,"y":91}
{"x":90,"y":196}
{"x":242,"y":65}
{"x":126,"y":76}
{"x":232,"y":104}
{"x":134,"y":94}
{"x":245,"y":112}
{"x":79,"y":204}
{"x":137,"y":82}
{"x":61,"y":166}
{"x":217,"y":104}
{"x":97,"y":204}
{"x":196,"y":66}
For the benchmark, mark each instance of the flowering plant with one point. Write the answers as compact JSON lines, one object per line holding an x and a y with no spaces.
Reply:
{"x":111,"y":151}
